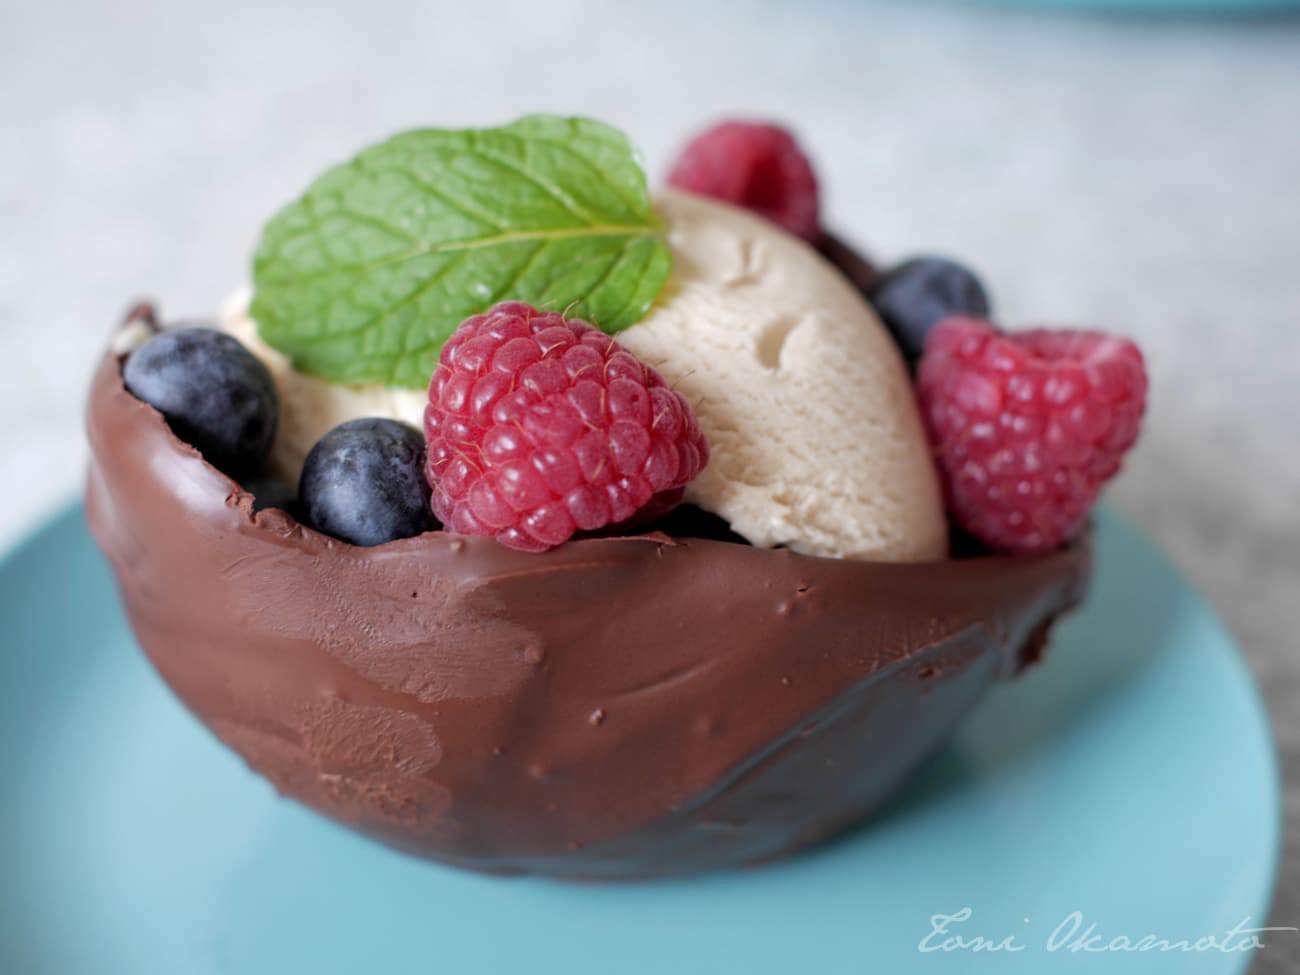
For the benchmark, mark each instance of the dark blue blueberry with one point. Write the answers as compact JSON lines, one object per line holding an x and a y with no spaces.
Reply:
{"x":215,"y":395}
{"x":916,"y":295}
{"x":271,"y":492}
{"x":364,"y":482}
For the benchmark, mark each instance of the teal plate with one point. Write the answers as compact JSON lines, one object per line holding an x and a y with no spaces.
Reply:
{"x":1130,"y":779}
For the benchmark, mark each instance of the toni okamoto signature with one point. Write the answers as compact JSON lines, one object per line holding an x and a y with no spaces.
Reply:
{"x":1076,"y":934}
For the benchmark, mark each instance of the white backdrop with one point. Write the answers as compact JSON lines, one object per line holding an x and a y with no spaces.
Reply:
{"x":1136,"y":174}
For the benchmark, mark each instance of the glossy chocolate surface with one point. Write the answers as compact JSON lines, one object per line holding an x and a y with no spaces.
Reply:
{"x":614,"y":708}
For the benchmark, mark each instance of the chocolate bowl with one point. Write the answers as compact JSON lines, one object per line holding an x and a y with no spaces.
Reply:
{"x":614,"y":708}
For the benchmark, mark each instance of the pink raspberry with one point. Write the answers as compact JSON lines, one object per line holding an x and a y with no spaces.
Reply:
{"x":541,"y":426}
{"x":756,"y":166}
{"x":1027,"y":427}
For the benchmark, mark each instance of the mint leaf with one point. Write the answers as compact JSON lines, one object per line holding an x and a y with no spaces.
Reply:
{"x":365,"y":277}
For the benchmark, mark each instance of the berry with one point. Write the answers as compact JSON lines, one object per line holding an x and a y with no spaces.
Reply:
{"x":363,"y":482}
{"x":1027,"y":427}
{"x":214,"y":393}
{"x":916,"y":295}
{"x":756,"y":166}
{"x":541,"y":426}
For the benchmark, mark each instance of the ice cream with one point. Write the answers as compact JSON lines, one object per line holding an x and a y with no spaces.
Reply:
{"x":817,"y":444}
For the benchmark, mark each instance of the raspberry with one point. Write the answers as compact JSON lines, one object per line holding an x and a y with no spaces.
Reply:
{"x":541,"y":426}
{"x":756,"y":166}
{"x":1027,"y":427}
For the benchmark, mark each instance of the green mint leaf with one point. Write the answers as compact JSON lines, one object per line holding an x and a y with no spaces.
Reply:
{"x":365,"y":277}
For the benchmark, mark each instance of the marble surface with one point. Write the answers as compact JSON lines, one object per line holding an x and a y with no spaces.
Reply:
{"x":1133,"y":173}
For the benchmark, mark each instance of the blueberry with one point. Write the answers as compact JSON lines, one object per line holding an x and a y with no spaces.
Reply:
{"x":916,"y":295}
{"x":214,"y":393}
{"x":364,"y":482}
{"x":270,"y":492}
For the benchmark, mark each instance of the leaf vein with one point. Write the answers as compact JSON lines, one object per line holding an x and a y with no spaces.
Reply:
{"x":575,"y":209}
{"x":475,"y":213}
{"x":632,"y":205}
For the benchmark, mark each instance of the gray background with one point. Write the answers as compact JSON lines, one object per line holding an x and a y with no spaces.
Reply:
{"x":1140,"y":174}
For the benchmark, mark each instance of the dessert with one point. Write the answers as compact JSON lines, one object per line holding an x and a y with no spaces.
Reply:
{"x":618,"y":546}
{"x":818,"y":444}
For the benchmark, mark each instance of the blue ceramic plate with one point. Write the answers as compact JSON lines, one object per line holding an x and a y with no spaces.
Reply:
{"x":1130,"y":779}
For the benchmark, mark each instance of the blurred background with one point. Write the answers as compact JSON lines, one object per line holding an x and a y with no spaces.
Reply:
{"x":1135,"y":171}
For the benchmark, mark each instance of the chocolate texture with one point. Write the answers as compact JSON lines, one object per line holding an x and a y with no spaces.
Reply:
{"x":614,"y":708}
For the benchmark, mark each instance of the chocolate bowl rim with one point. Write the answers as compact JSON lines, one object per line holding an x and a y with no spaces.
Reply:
{"x":278,"y":520}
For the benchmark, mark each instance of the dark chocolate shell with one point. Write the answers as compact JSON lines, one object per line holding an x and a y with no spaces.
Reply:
{"x":613,"y":708}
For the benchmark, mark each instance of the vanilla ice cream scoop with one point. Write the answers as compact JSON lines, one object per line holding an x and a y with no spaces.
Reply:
{"x":816,"y":440}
